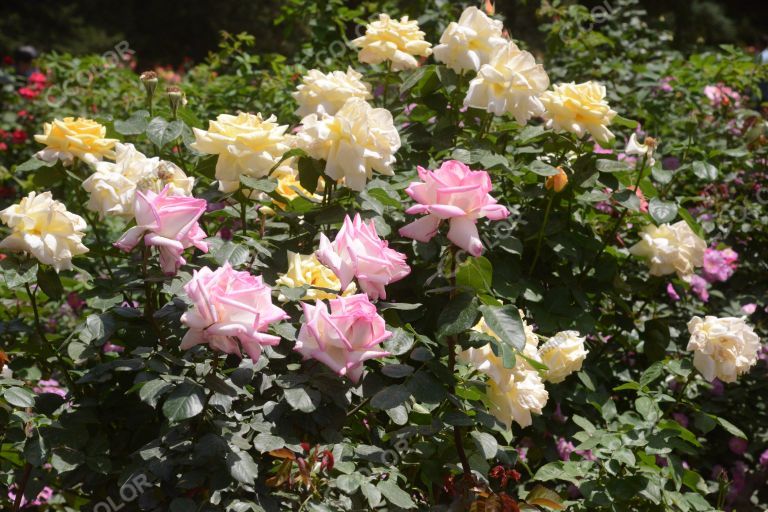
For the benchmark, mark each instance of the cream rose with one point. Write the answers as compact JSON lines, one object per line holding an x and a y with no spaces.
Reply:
{"x":510,"y":83}
{"x":356,"y":141}
{"x":45,"y":229}
{"x":723,"y":347}
{"x":305,"y":269}
{"x":113,"y":186}
{"x":579,"y":108}
{"x":391,"y":40}
{"x":326,"y":93}
{"x":513,"y":393}
{"x":670,"y":248}
{"x":70,"y":138}
{"x":563,"y":354}
{"x":247,"y":145}
{"x":468,"y":44}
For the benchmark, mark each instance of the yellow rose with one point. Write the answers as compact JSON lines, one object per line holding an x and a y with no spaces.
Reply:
{"x":579,"y":108}
{"x":307,"y":270}
{"x":557,"y":182}
{"x":563,"y":354}
{"x":394,"y":41}
{"x":326,"y":93}
{"x":70,"y":138}
{"x":45,"y":229}
{"x":247,"y":145}
{"x":670,"y":248}
{"x":469,"y":43}
{"x":287,"y":185}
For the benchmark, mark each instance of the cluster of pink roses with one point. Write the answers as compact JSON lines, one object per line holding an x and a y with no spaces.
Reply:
{"x":718,"y":266}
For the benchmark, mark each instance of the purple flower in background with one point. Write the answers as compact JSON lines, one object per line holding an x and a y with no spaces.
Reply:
{"x":670,"y":163}
{"x":42,"y":497}
{"x":719,"y":265}
{"x":672,"y":292}
{"x":50,"y":386}
{"x":601,"y":150}
{"x":75,"y":302}
{"x":764,"y":459}
{"x":700,"y":286}
{"x":738,"y":445}
{"x":748,"y":309}
{"x":665,"y":84}
{"x":718,"y":388}
{"x":681,"y":418}
{"x":564,"y":448}
{"x":722,"y":95}
{"x":558,"y":414}
{"x":111,"y":347}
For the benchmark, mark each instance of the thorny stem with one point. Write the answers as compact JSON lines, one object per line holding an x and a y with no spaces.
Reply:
{"x":543,"y":228}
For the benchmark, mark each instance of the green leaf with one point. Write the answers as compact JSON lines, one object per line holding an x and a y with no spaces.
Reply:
{"x":134,"y":125}
{"x":161,"y":132}
{"x":399,"y":343}
{"x":267,"y":442}
{"x":186,"y":401}
{"x":390,"y":397}
{"x":704,"y":170}
{"x":310,"y":171}
{"x":611,"y":166}
{"x":32,"y":164}
{"x":476,"y":273}
{"x":542,"y":169}
{"x":66,"y":459}
{"x":230,"y":252}
{"x":662,"y":211}
{"x":623,"y":121}
{"x":506,"y":323}
{"x":19,"y":397}
{"x":486,"y":443}
{"x":302,"y":399}
{"x":49,"y":281}
{"x":262,"y":185}
{"x":695,"y":227}
{"x":397,"y":371}
{"x":458,"y":316}
{"x":151,"y":391}
{"x":395,"y":494}
{"x":36,"y":451}
{"x":729,"y":427}
{"x":242,"y":467}
{"x":652,"y":373}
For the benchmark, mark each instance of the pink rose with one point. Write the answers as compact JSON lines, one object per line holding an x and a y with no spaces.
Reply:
{"x":168,"y":222}
{"x":50,"y":386}
{"x":719,"y":265}
{"x":345,"y":337}
{"x":738,"y":445}
{"x":357,"y":251}
{"x":230,"y":309}
{"x":456,"y":193}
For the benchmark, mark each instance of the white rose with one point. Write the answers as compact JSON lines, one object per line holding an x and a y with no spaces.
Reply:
{"x":44,"y":228}
{"x":510,"y":83}
{"x":579,"y":108}
{"x":723,"y":347}
{"x":563,"y":354}
{"x":112,"y":187}
{"x":321,"y":93}
{"x":635,"y":148}
{"x":391,"y":40}
{"x":247,"y":145}
{"x":670,"y":248}
{"x":356,"y":141}
{"x":469,"y":44}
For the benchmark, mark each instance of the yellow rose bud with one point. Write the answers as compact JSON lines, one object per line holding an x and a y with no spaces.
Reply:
{"x":305,"y":269}
{"x":557,"y":182}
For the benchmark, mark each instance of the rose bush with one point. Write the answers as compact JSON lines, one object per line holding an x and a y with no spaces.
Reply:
{"x":235,"y":290}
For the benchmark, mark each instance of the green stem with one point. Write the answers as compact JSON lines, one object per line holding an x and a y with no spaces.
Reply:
{"x":542,"y":229}
{"x":243,"y":217}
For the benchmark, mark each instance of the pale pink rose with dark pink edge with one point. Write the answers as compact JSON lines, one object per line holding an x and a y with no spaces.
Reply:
{"x":359,"y":252}
{"x":345,"y":336}
{"x":231,"y":312}
{"x":169,"y":223}
{"x":457,"y":194}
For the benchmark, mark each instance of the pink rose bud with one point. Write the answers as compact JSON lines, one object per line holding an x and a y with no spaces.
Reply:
{"x":344,"y":338}
{"x":168,"y":222}
{"x":357,"y":251}
{"x":455,"y":193}
{"x":231,"y":310}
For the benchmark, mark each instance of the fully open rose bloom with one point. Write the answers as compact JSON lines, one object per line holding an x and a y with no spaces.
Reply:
{"x":169,"y":223}
{"x":70,"y":138}
{"x":231,"y":311}
{"x":510,"y":83}
{"x":579,"y":108}
{"x":513,"y":393}
{"x":723,"y":347}
{"x":45,"y":229}
{"x":326,"y":93}
{"x":112,"y":187}
{"x":670,"y":248}
{"x":306,"y":270}
{"x":358,"y":252}
{"x":563,"y":354}
{"x":455,"y":193}
{"x":468,"y":44}
{"x":247,"y":145}
{"x":345,"y":337}
{"x":356,"y":141}
{"x":392,"y":40}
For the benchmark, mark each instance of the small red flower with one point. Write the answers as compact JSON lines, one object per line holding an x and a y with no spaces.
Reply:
{"x":19,"y":137}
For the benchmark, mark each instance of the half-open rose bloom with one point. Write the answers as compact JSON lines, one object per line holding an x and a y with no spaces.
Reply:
{"x":563,"y":354}
{"x":513,"y":394}
{"x":399,"y":42}
{"x":344,"y":337}
{"x":356,"y":141}
{"x":579,"y":108}
{"x":510,"y":83}
{"x":647,"y":148}
{"x":42,"y":227}
{"x":231,"y":312}
{"x":326,"y":93}
{"x":468,"y":44}
{"x":112,"y":187}
{"x":70,"y":138}
{"x":670,"y":248}
{"x":358,"y":252}
{"x":455,"y":193}
{"x":306,"y":270}
{"x":723,"y":347}
{"x":169,"y":223}
{"x":247,"y":145}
